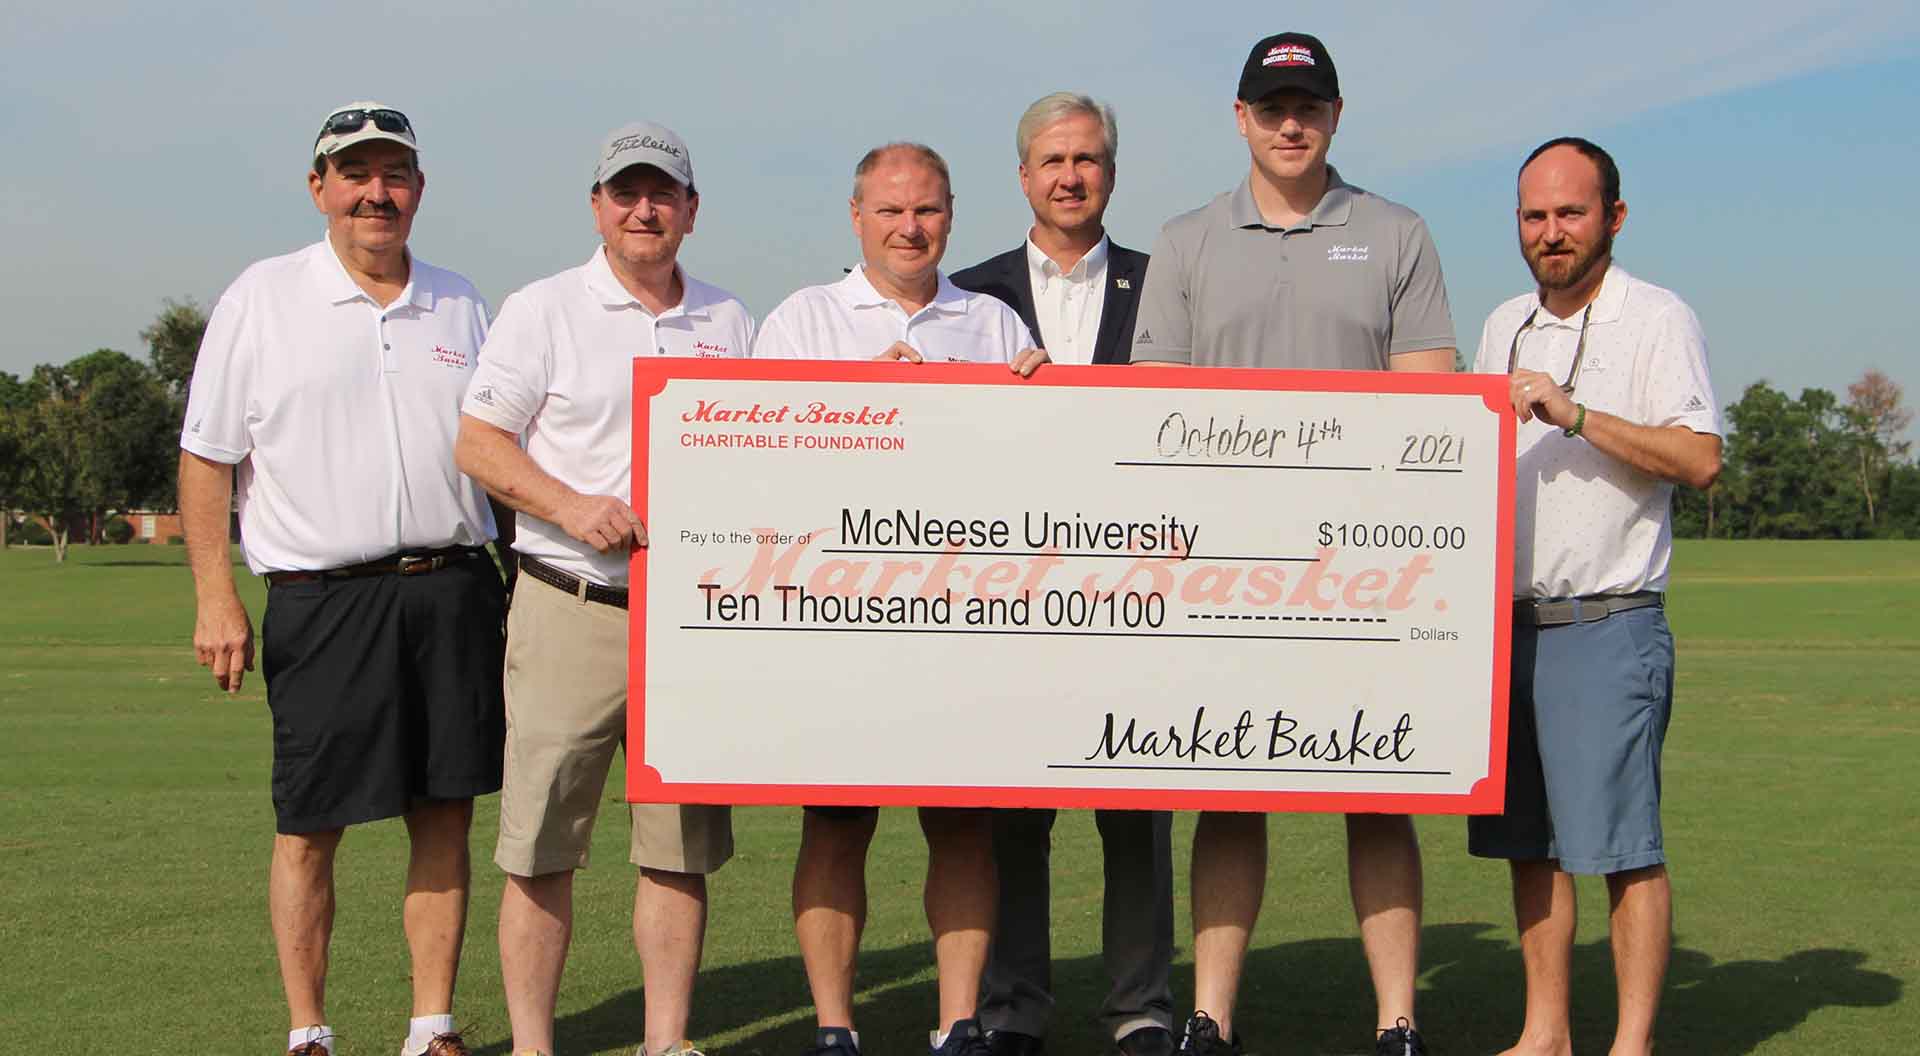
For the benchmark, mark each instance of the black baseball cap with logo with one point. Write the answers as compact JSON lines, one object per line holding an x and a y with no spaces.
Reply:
{"x":1289,"y":60}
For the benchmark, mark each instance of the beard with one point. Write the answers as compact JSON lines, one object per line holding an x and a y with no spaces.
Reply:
{"x":1561,"y":273}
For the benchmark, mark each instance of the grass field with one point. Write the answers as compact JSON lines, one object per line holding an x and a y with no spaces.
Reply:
{"x":135,"y":826}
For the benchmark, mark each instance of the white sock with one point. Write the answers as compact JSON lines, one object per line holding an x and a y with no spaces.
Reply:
{"x":939,"y":1037}
{"x":421,"y":1030}
{"x":322,"y":1034}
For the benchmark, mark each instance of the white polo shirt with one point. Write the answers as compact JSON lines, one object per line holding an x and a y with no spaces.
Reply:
{"x":850,"y":319}
{"x":558,"y":370}
{"x":340,"y":413}
{"x":1584,"y":522}
{"x":1067,"y":305}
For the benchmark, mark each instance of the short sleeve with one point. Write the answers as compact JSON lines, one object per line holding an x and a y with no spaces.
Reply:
{"x":218,"y":425}
{"x":779,"y":337}
{"x":1163,"y":328}
{"x":1421,"y":318}
{"x":482,"y":318}
{"x":1023,"y":338}
{"x":748,"y":331}
{"x":1490,"y":358}
{"x":1676,"y":387}
{"x":516,"y":364}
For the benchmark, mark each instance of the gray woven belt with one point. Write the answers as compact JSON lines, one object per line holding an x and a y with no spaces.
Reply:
{"x":1589,"y":609}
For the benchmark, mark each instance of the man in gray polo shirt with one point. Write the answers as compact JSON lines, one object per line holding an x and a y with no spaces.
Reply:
{"x":1297,"y":268}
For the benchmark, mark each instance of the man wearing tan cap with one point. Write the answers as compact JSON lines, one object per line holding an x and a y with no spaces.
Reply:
{"x":548,"y":428}
{"x":329,"y":385}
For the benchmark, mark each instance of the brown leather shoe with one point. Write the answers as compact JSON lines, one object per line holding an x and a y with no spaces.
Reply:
{"x":448,"y":1044}
{"x":308,"y":1048}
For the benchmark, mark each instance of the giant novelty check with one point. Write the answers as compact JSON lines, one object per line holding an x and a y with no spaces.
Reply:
{"x":882,"y":583}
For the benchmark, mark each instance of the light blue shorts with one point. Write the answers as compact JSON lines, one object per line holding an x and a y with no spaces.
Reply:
{"x":1589,"y":711}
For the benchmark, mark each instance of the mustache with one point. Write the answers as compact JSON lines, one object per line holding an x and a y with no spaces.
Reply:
{"x":379,"y":210}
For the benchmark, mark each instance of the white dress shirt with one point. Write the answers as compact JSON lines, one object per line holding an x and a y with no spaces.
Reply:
{"x":558,"y":369}
{"x":339,"y":412}
{"x":1067,"y":305}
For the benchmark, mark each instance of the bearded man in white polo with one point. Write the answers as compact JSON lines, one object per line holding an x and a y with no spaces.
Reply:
{"x":1608,"y":376}
{"x":329,"y":385}
{"x":548,"y":428}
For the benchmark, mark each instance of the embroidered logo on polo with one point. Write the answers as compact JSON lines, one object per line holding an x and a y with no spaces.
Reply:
{"x":1288,"y":55}
{"x":1145,"y":338}
{"x":1695,"y":403}
{"x":483,"y":394}
{"x":449,"y":357}
{"x":708,"y":349}
{"x":1357,"y":254}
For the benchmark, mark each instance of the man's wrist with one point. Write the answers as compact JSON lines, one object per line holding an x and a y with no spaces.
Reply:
{"x":1579,"y":421}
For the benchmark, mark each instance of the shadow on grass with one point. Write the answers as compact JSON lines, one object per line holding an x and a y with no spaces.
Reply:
{"x":734,"y":997}
{"x":1307,"y":996}
{"x":1315,"y":996}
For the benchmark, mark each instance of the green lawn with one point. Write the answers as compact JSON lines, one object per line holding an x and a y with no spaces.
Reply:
{"x":135,"y":826}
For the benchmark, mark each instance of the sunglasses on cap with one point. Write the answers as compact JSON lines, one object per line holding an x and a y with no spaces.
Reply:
{"x":354,"y":120}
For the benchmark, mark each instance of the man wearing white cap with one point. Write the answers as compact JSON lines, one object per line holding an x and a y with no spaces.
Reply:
{"x":547,"y":427}
{"x":329,"y":384}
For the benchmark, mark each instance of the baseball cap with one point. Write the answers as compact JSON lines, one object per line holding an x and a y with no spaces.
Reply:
{"x":644,"y":143}
{"x":359,"y":122}
{"x":1289,"y":60}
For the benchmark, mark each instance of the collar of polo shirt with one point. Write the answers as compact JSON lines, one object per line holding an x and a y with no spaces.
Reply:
{"x":858,"y":292}
{"x":606,"y":286}
{"x":1608,"y":305}
{"x":331,"y":277}
{"x":1332,"y":211}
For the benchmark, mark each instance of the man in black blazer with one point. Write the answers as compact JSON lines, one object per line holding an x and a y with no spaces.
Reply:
{"x":1077,"y":292}
{"x":1066,"y":171}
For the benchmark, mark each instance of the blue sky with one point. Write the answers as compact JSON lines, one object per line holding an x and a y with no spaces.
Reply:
{"x":1768,"y":151}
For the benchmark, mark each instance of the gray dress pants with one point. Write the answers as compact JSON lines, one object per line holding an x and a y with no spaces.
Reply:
{"x":1136,"y":922}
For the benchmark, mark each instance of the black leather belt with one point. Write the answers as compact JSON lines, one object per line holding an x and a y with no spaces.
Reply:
{"x":567,"y":581}
{"x":401,"y":564}
{"x":1591,"y":608}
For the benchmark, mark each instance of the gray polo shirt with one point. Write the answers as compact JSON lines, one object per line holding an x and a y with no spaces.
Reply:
{"x":1353,"y":284}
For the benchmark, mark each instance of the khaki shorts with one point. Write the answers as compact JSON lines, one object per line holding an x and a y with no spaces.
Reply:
{"x":566,"y":696}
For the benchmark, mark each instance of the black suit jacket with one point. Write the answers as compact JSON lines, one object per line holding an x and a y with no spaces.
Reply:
{"x":1005,"y":277}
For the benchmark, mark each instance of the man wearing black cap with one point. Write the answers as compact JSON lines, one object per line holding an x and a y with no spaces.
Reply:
{"x":1296,"y":268}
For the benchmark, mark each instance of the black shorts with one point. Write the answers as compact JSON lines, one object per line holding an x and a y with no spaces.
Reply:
{"x":385,"y":692}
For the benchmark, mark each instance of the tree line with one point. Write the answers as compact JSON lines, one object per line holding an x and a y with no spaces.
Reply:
{"x":101,"y":434}
{"x":98,"y":434}
{"x":1816,"y":467}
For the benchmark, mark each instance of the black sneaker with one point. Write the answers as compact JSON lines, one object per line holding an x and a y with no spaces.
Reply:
{"x":1400,"y":1040}
{"x":833,"y":1041}
{"x":1014,"y":1043}
{"x":965,"y":1039}
{"x":1203,"y":1038}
